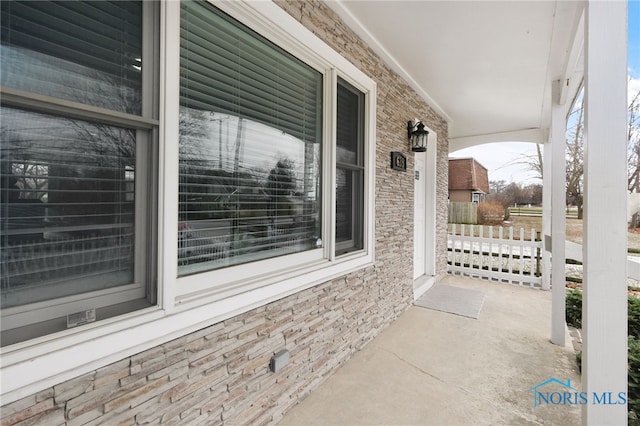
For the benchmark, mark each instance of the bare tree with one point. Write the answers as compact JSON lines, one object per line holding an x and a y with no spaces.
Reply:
{"x":574,"y":155}
{"x":497,"y":186}
{"x":533,"y":162}
{"x":514,"y":193}
{"x":633,"y":144}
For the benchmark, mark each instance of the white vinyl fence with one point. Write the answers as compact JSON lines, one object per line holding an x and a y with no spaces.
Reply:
{"x":487,"y":253}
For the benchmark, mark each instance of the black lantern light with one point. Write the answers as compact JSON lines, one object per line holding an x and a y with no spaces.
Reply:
{"x":417,"y":136}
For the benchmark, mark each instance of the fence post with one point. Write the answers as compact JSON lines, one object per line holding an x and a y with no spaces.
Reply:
{"x":537,"y":238}
{"x":521,"y":250}
{"x":491,"y":249}
{"x":472,"y":245}
{"x":453,"y":244}
{"x":480,"y":247}
{"x":500,"y":232}
{"x":462,"y":254}
{"x":510,"y":265}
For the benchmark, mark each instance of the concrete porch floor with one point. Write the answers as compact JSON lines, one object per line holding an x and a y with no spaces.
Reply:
{"x":436,"y":368}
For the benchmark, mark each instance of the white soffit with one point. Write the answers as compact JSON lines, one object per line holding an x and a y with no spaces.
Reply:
{"x":486,"y":66}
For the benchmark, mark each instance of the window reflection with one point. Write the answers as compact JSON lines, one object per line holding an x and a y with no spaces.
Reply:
{"x":247,"y":191}
{"x":67,"y":216}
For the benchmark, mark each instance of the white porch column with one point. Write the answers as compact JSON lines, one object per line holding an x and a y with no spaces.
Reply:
{"x":546,"y":214}
{"x":558,"y":216}
{"x":604,"y":309}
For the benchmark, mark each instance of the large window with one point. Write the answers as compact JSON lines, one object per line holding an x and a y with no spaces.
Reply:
{"x":198,"y":159}
{"x":250,"y":146}
{"x":74,"y":164}
{"x":273,"y":170}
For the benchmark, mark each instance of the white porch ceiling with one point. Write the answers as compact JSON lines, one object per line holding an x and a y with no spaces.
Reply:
{"x":486,"y":66}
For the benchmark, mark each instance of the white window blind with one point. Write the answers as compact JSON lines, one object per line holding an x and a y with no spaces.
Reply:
{"x":226,"y":67}
{"x":250,"y":135}
{"x":88,"y":52}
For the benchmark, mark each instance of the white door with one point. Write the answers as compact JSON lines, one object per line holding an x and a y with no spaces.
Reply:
{"x":419,"y":220}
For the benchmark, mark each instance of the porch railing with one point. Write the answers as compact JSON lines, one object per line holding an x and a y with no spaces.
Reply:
{"x":491,"y":253}
{"x":574,"y":251}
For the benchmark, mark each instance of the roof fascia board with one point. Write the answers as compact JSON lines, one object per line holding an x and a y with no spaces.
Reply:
{"x":352,"y":22}
{"x":525,"y":135}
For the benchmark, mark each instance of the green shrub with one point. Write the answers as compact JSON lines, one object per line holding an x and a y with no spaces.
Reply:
{"x":634,"y":316}
{"x":634,"y":374}
{"x":573,"y":313}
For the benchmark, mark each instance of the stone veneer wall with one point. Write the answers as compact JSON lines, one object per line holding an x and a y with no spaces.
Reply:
{"x":220,"y":375}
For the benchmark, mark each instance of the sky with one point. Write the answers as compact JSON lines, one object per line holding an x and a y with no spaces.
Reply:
{"x":506,"y":160}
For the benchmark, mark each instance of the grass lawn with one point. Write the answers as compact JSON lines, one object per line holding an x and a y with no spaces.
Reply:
{"x":574,"y":229}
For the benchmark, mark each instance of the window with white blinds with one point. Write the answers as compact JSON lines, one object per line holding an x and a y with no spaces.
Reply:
{"x":73,"y":215}
{"x":250,"y":145}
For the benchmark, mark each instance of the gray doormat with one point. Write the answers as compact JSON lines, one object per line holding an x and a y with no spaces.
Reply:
{"x":454,"y":300}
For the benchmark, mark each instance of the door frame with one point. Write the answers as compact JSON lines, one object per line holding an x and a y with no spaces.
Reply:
{"x":424,"y":282}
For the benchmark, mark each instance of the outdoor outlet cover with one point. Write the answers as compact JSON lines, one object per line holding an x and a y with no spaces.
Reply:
{"x":279,"y":360}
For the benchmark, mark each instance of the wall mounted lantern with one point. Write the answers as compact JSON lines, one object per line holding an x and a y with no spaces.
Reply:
{"x":417,"y":136}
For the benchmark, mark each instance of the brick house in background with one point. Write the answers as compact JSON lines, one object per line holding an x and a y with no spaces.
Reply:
{"x":468,"y":180}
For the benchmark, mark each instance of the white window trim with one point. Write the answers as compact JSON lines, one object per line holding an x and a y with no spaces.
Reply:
{"x":37,"y":364}
{"x":267,"y":19}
